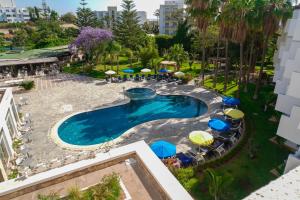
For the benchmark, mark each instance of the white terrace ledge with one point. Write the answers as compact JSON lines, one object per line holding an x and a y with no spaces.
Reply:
{"x":160,"y":173}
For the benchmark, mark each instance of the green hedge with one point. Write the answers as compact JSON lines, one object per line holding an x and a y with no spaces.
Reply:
{"x":28,"y":85}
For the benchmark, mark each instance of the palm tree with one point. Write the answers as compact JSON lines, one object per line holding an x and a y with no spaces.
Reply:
{"x":113,"y":51}
{"x":217,"y":183}
{"x":254,"y":28}
{"x":235,"y":16}
{"x":178,"y":54}
{"x":225,"y":34}
{"x":203,"y":12}
{"x":274,"y":13}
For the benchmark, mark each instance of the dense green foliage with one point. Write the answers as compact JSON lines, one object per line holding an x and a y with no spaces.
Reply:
{"x":108,"y":189}
{"x":178,"y":54}
{"x":85,"y":16}
{"x":127,"y":31}
{"x":69,"y":18}
{"x":27,"y":85}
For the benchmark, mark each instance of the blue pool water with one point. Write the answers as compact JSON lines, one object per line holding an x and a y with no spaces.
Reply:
{"x":103,"y":125}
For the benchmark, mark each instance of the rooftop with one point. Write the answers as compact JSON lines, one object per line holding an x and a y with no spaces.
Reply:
{"x":144,"y":176}
{"x":35,"y":53}
{"x":285,"y":187}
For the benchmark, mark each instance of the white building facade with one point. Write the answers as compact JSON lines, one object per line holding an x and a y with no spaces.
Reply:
{"x":7,"y":3}
{"x":287,"y":78}
{"x":110,"y":16}
{"x":167,"y":22}
{"x":13,"y":14}
{"x":9,"y":120}
{"x":10,"y":13}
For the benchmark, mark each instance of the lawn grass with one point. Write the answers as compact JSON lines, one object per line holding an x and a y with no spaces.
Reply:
{"x":249,"y":174}
{"x":98,"y":71}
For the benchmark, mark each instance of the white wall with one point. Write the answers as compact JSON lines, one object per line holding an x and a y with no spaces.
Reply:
{"x":5,"y":107}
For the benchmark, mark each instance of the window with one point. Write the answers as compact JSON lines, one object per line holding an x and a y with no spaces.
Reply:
{"x":10,"y":124}
{"x":15,"y":113}
{"x":4,"y":157}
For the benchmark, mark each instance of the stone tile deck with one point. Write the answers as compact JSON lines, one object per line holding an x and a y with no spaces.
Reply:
{"x":49,"y":105}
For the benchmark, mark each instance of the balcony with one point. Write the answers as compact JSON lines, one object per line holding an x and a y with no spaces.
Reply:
{"x":289,"y":126}
{"x":293,"y":161}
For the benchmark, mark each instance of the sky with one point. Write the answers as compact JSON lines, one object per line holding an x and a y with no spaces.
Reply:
{"x":63,"y":6}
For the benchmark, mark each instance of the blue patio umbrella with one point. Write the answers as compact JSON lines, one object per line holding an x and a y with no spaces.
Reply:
{"x":128,"y":71}
{"x":218,"y":125}
{"x":231,"y":101}
{"x":163,"y":71}
{"x":163,"y":149}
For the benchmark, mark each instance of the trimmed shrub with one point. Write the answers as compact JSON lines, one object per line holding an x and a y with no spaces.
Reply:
{"x":27,"y":85}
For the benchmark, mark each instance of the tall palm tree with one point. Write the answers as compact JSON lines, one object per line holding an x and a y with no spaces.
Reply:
{"x":254,"y":19}
{"x":203,"y":12}
{"x":235,"y":17}
{"x":275,"y":12}
{"x":225,"y":34}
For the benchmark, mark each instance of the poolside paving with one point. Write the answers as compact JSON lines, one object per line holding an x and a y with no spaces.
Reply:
{"x":48,"y":105}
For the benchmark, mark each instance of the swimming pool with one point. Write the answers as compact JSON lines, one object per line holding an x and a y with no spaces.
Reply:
{"x":102,"y":125}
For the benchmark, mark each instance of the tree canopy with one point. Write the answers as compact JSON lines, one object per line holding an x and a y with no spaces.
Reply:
{"x":127,"y":31}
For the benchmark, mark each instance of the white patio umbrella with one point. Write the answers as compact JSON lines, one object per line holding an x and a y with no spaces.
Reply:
{"x":110,"y":73}
{"x":179,"y":74}
{"x":146,"y":70}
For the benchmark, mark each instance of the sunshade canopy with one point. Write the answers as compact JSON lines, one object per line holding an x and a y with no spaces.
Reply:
{"x":218,"y":125}
{"x":110,"y":72}
{"x":129,"y":71}
{"x":201,"y":138}
{"x":146,"y":70}
{"x":163,"y":149}
{"x":231,"y":101}
{"x":179,"y":74}
{"x":234,"y":113}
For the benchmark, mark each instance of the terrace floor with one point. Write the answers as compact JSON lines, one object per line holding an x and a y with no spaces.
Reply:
{"x":57,"y":97}
{"x":128,"y":175}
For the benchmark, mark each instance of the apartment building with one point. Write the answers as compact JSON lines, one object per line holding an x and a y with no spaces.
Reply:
{"x":7,"y":3}
{"x":110,"y":16}
{"x":10,"y":13}
{"x":287,"y":78}
{"x":167,"y":16}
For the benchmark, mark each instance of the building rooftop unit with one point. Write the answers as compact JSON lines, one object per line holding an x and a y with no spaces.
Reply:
{"x":142,"y":175}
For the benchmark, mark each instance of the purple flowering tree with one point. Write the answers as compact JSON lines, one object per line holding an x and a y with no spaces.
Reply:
{"x":92,"y":42}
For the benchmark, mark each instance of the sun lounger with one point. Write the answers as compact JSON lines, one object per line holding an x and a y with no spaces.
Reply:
{"x":185,"y":160}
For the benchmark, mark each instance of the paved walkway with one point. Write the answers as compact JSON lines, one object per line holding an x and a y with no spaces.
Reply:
{"x":60,"y":80}
{"x":75,"y":94}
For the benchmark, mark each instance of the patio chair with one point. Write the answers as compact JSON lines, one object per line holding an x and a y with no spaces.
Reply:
{"x":68,"y":159}
{"x":220,"y":150}
{"x":198,"y":156}
{"x":40,"y":167}
{"x":137,"y":77}
{"x":148,"y":77}
{"x":119,"y":79}
{"x":154,"y":77}
{"x":55,"y":163}
{"x":23,"y":101}
{"x":125,"y":77}
{"x":185,"y":160}
{"x":131,"y":77}
{"x":143,"y":77}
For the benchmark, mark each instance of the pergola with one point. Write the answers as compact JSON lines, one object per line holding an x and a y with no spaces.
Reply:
{"x":166,"y":63}
{"x":31,"y":65}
